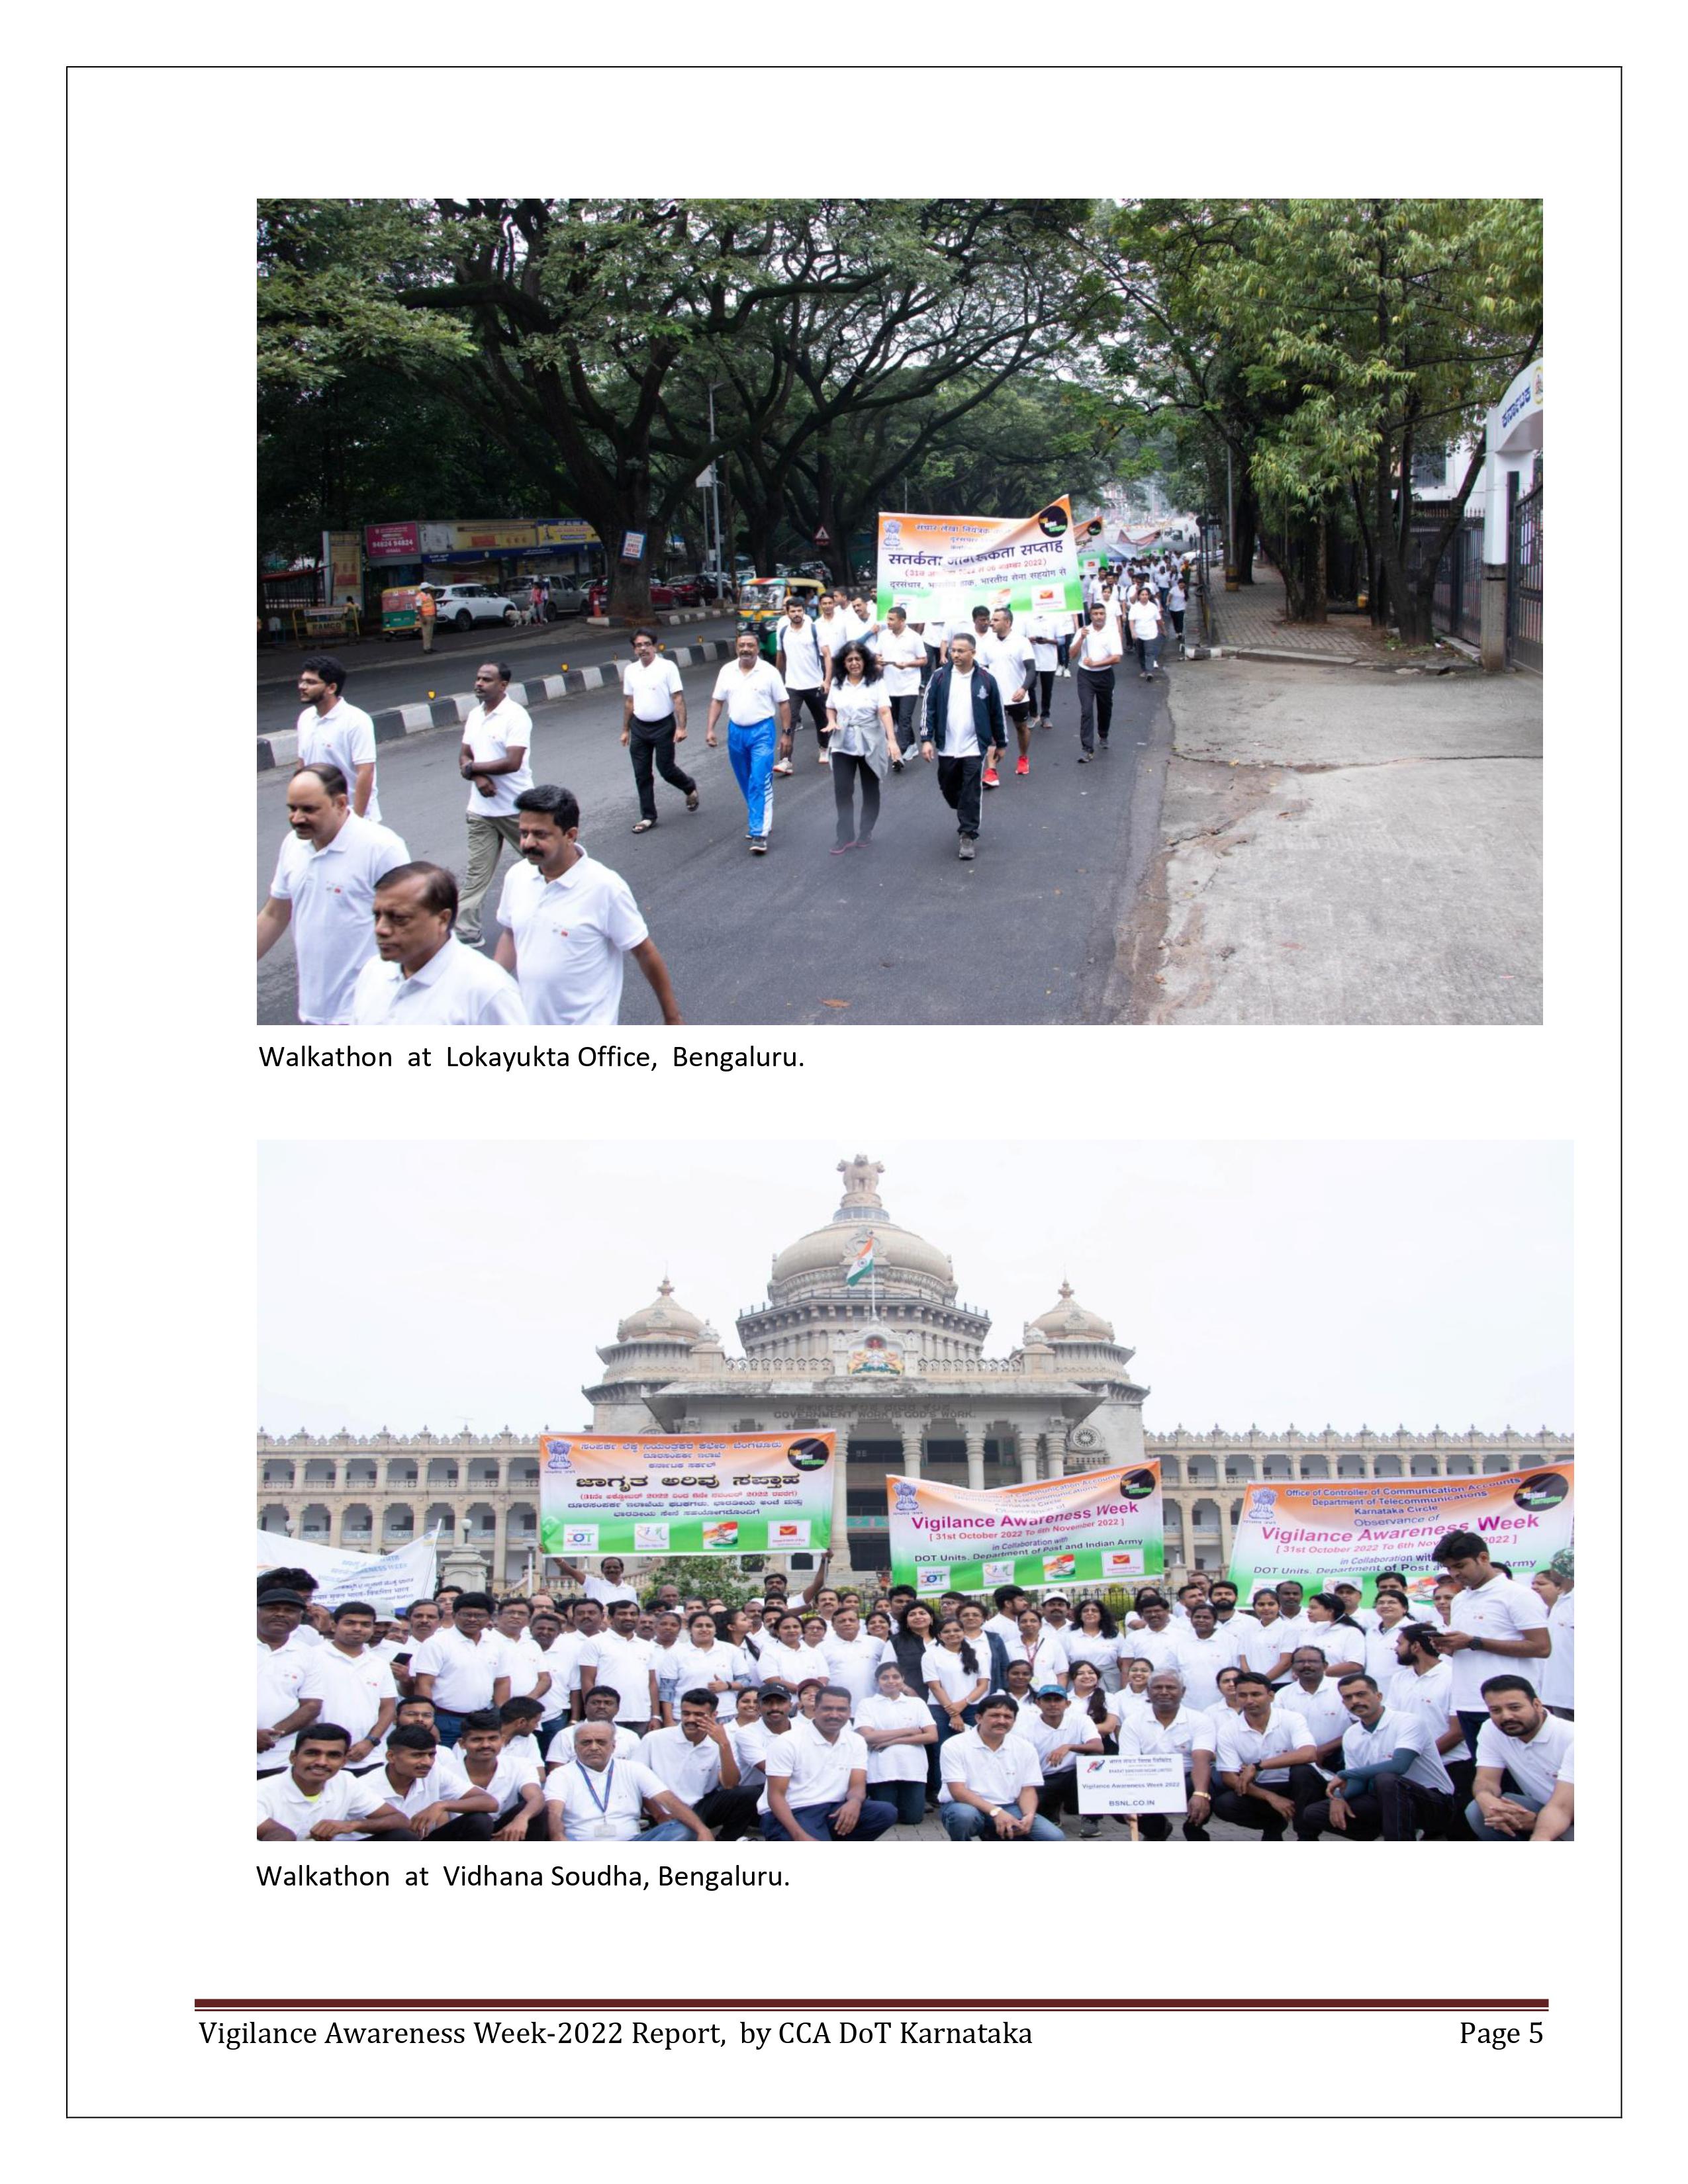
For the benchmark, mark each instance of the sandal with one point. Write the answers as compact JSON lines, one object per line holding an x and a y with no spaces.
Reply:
{"x":644,"y":826}
{"x":692,"y":800}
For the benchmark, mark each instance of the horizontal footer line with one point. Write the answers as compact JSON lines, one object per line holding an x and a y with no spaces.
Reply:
{"x":1013,"y":2005}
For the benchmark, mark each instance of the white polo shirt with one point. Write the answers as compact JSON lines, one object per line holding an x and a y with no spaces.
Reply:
{"x":464,"y":1672}
{"x":572,"y":935}
{"x":1240,"y":1747}
{"x":1373,"y":1747}
{"x":853,"y":1663}
{"x":1074,"y":1727}
{"x":352,"y":1690}
{"x":280,"y":1673}
{"x":749,"y":698}
{"x":606,"y":1594}
{"x":561,"y":1752}
{"x":444,"y":1778}
{"x":1322,"y":1710}
{"x":622,"y":1787}
{"x":331,"y":891}
{"x":750,"y":1742}
{"x":515,"y":1771}
{"x":1201,"y":1660}
{"x":1165,"y":1648}
{"x":1535,"y":1764}
{"x":1010,"y":660}
{"x":832,"y":633}
{"x":653,"y":688}
{"x":1557,"y":1684}
{"x":897,"y":1762}
{"x":1430,"y":1695}
{"x":1260,"y":1646}
{"x":817,"y":1773}
{"x":491,"y":736}
{"x":1503,"y":1608}
{"x":1143,"y":1733}
{"x":1212,"y":1719}
{"x":694,"y":1670}
{"x":560,"y":1661}
{"x":903,"y":659}
{"x":343,"y":1796}
{"x":691,"y":1771}
{"x":625,"y":1665}
{"x":457,"y":985}
{"x":344,"y":736}
{"x":999,"y":1775}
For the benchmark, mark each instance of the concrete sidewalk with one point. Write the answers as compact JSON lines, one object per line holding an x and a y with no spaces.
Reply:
{"x":1361,"y":849}
{"x":1252,"y":620}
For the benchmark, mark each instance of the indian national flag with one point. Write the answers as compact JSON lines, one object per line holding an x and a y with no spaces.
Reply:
{"x":862,"y":1266}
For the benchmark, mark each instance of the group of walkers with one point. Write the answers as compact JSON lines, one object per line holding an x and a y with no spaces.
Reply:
{"x":882,"y":696}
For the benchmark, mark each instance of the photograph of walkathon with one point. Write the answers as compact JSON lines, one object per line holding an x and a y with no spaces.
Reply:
{"x":877,"y":1566}
{"x":1155,"y":584}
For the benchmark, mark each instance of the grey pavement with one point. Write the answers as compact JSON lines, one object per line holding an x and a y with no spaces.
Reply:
{"x":931,"y":1830}
{"x":1342,"y":848}
{"x":400,"y":673}
{"x":901,"y":932}
{"x":1252,"y":618}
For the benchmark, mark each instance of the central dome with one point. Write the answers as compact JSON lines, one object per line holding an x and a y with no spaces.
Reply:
{"x":829,"y":1251}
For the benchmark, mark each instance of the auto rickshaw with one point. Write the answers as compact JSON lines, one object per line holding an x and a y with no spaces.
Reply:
{"x":398,"y":611}
{"x":762,"y":602}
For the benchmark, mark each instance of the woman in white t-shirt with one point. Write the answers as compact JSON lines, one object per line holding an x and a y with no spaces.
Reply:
{"x":1335,"y":1633}
{"x":708,"y":1663}
{"x":863,"y":742}
{"x":899,"y":1731}
{"x":782,"y":1656}
{"x":1095,"y":1637}
{"x":956,"y":1681}
{"x":1144,"y":615}
{"x":1088,"y":1691}
{"x":1392,"y":1612}
{"x":1042,"y":1647}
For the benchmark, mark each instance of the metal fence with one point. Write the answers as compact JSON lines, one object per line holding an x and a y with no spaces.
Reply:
{"x":1523,"y":582}
{"x":1457,"y":605}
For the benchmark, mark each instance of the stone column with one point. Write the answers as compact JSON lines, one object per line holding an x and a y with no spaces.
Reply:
{"x":975,"y":1437}
{"x":1225,"y":1530}
{"x":1055,"y":1447}
{"x":500,"y":1527}
{"x":337,"y":1517}
{"x":1294,"y":1463}
{"x":1441,"y":1463}
{"x":1026,"y":1444}
{"x":841,"y":1502}
{"x":1491,"y":627}
{"x":1368,"y":1464}
{"x":914,"y":1437}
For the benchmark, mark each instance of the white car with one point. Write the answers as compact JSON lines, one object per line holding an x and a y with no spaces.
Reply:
{"x":460,"y":606}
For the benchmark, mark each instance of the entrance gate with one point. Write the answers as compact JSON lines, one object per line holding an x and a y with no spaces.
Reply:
{"x":1523,"y":579}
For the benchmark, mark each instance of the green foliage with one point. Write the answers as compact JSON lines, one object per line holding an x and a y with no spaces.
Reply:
{"x":703,"y":1577}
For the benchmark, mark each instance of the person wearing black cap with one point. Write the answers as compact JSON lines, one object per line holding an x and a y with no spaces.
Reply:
{"x":281,"y":1667}
{"x":1057,"y":1731}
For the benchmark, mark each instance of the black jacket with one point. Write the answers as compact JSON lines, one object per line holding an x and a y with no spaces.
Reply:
{"x":990,"y":723}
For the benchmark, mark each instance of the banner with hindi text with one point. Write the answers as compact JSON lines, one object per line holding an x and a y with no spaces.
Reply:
{"x":684,"y":1494}
{"x":941,"y":567}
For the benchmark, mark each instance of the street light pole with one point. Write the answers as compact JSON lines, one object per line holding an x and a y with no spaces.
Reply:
{"x":715,"y":478}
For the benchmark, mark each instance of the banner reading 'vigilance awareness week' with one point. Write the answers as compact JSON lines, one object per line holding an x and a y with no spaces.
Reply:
{"x":1098,"y":1526}
{"x":727,"y":1494}
{"x":940,"y":567}
{"x":1316,"y":1533}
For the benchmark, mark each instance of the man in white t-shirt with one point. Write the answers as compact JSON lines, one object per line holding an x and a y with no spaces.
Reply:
{"x":1264,"y":1761}
{"x":282,"y":1712}
{"x":772,"y":1718}
{"x":1057,"y":1730}
{"x":852,"y":1656}
{"x":833,"y":629}
{"x":989,"y":1778}
{"x":1493,"y":1621}
{"x":1167,"y":1726}
{"x":963,"y":725}
{"x":1312,"y":1694}
{"x":568,"y":924}
{"x":354,"y":1685}
{"x":313,"y":1798}
{"x":429,"y":1787}
{"x":902,"y":657}
{"x":331,"y":732}
{"x":1095,"y":658}
{"x":1006,"y":655}
{"x":698,"y":1762}
{"x":1011,"y":1603}
{"x":1422,"y":1684}
{"x":798,"y":664}
{"x":758,"y":716}
{"x":494,"y":1760}
{"x":599,"y":1706}
{"x":1389,"y":1782}
{"x":497,"y":737}
{"x":652,"y":721}
{"x":464,"y":1668}
{"x":899,"y":1731}
{"x":816,"y":1781}
{"x":1555,"y":1589}
{"x":423,"y":972}
{"x":607,"y":1585}
{"x":324,"y":888}
{"x":1522,"y":1745}
{"x":620,"y":1657}
{"x":602,"y":1798}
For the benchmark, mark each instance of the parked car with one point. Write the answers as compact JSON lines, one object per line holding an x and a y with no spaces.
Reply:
{"x":563,"y":597}
{"x":461,"y":606}
{"x":688,"y":591}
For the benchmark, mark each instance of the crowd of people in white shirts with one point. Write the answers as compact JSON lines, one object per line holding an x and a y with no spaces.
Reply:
{"x":599,"y":1716}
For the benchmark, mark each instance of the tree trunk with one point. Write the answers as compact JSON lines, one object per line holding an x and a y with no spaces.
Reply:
{"x":1316,"y":605}
{"x":630,"y":580}
{"x":1247,"y":520}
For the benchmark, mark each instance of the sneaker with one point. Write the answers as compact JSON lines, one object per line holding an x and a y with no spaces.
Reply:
{"x":759,"y":845}
{"x":1085,"y":757}
{"x":965,"y":851}
{"x":783,"y":765}
{"x":1090,"y":1825}
{"x":990,"y":779}
{"x":1022,"y":765}
{"x":825,"y":760}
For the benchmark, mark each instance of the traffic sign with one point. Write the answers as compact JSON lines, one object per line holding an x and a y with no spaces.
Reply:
{"x":823,"y":537}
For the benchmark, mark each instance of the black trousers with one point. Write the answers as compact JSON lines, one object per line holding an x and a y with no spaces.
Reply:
{"x":1155,"y":1827}
{"x":1304,"y":1786}
{"x":1045,"y":690}
{"x":846,"y":771}
{"x":1393,"y":1810}
{"x":731,"y":1812}
{"x":905,"y":722}
{"x":654,"y":740}
{"x":1059,"y":1793}
{"x":816,"y":703}
{"x":1095,"y":704}
{"x":466,"y":1827}
{"x":961,"y":780}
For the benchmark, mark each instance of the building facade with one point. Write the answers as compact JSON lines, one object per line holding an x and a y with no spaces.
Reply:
{"x":887,"y":1356}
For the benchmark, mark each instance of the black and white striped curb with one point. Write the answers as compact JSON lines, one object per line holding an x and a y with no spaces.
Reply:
{"x":394,"y":722}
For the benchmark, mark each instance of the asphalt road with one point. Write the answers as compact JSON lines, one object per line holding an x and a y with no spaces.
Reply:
{"x":901,"y":932}
{"x":401,"y":674}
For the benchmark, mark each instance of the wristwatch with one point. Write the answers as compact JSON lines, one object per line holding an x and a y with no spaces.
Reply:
{"x":995,"y":1813}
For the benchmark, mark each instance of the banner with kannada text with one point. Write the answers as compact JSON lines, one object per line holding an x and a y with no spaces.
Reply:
{"x":941,"y":567}
{"x":1316,"y":1531}
{"x":1094,"y":1527}
{"x":684,"y":1494}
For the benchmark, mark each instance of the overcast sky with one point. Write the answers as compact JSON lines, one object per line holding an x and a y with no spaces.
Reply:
{"x":1293,"y":1284}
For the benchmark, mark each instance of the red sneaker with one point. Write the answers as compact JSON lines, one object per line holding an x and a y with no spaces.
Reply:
{"x":1022,"y":765}
{"x":990,"y":779}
